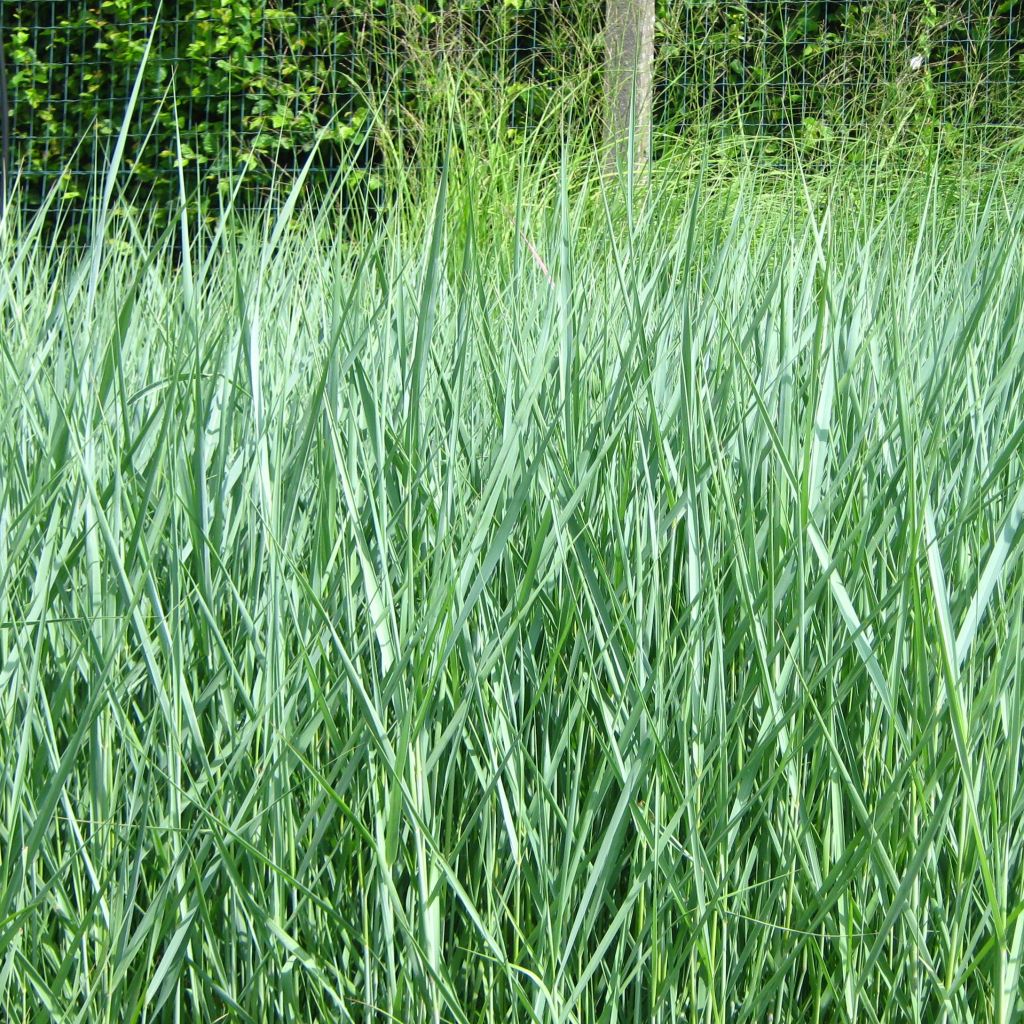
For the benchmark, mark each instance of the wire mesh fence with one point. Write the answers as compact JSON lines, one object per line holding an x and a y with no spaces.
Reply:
{"x":255,"y":83}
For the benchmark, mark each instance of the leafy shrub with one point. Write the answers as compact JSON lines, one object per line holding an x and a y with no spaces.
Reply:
{"x":824,"y":69}
{"x":244,"y":83}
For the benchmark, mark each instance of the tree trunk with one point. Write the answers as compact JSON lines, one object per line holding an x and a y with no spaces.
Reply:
{"x":629,"y":60}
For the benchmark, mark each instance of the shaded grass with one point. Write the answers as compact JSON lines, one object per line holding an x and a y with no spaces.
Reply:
{"x":546,"y":608}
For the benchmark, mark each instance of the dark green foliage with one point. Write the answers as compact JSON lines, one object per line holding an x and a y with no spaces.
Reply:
{"x":246,"y":83}
{"x":253,"y":83}
{"x":820,"y":70}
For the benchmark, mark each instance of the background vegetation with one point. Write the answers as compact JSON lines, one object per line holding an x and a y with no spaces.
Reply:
{"x":252,"y":83}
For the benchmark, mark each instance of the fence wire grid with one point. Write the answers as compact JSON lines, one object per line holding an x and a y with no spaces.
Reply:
{"x":257,"y":82}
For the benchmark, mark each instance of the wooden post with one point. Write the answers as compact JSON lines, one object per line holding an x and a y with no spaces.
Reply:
{"x":629,"y":62}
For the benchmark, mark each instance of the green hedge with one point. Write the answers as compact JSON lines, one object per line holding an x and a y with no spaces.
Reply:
{"x":246,"y":83}
{"x":254,"y":82}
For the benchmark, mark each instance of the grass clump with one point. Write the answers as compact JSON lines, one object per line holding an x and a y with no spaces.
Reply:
{"x":544,"y":609}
